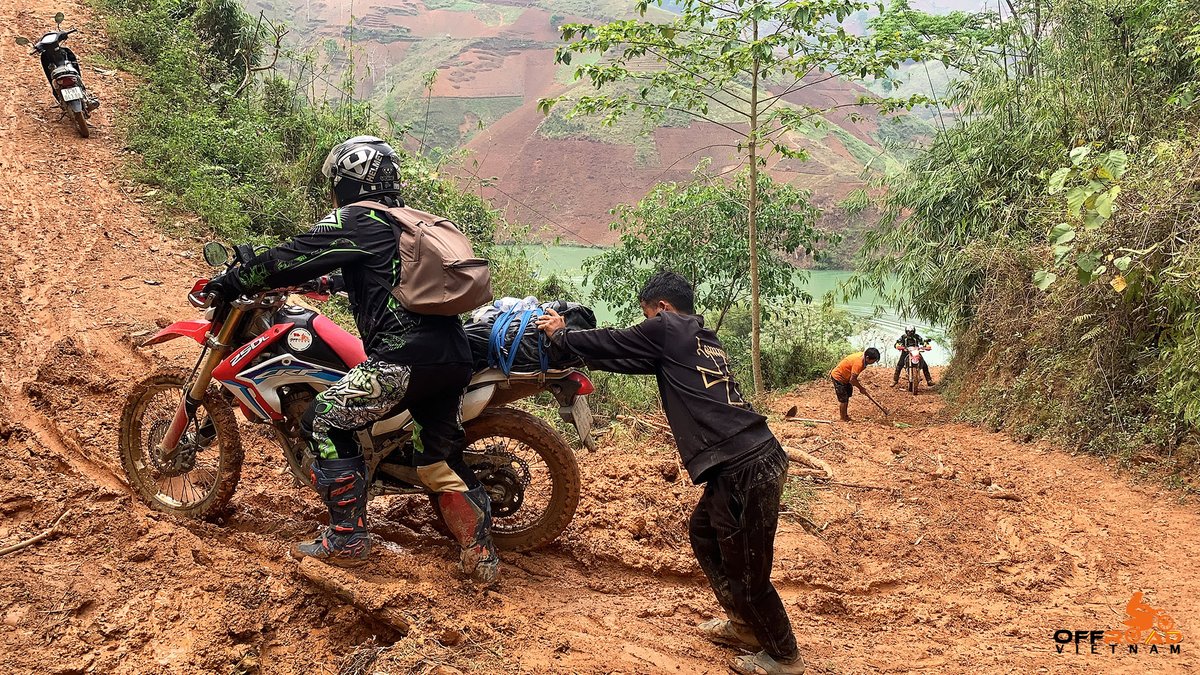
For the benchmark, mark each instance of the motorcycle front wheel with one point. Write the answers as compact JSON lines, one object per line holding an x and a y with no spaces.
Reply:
{"x":198,"y":479}
{"x":529,"y":473}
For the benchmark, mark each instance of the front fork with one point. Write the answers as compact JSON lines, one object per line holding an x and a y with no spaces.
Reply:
{"x":193,"y":395}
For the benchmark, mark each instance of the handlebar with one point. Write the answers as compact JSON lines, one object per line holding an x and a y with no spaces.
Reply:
{"x":267,"y":298}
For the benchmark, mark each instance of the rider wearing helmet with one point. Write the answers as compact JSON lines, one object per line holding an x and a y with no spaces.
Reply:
{"x":910,"y":338}
{"x":414,"y":361}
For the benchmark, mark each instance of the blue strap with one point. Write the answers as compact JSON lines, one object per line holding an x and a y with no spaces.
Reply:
{"x":502,"y":353}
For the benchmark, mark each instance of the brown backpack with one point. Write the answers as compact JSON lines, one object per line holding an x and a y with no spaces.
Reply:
{"x":439,"y":273}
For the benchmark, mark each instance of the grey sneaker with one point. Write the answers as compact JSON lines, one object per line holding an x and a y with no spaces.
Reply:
{"x":762,"y":664}
{"x":727,"y":633}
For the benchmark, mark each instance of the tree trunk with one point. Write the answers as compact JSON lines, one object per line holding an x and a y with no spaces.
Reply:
{"x":752,"y":221}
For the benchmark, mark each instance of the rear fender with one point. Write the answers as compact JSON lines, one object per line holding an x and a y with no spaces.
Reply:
{"x":196,"y":330}
{"x":76,"y":105}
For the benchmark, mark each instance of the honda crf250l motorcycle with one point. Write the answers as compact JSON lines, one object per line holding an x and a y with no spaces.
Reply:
{"x":66,"y":82}
{"x":912,"y":368}
{"x":182,"y":451}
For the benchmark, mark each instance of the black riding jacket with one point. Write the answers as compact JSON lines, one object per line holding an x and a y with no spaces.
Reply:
{"x":915,"y":340}
{"x":713,"y":425}
{"x":361,"y":243}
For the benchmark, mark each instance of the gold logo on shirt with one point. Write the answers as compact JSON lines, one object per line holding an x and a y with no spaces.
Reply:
{"x":719,"y":373}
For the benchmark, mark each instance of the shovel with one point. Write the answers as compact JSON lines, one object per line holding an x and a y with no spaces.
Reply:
{"x":886,"y":413}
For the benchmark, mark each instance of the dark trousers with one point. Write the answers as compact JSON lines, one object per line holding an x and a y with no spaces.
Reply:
{"x":375,"y":389}
{"x":733,"y":535}
{"x":900,"y":366}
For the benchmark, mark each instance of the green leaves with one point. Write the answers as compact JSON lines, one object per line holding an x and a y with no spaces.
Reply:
{"x":1076,"y":196}
{"x":1044,"y":279}
{"x":1104,"y":201}
{"x":1062,"y":233}
{"x":1091,"y":195}
{"x":699,"y":229}
{"x":1058,"y":178}
{"x":1088,"y":267}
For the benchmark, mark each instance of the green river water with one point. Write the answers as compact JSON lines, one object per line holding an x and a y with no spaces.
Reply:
{"x":882,"y":325}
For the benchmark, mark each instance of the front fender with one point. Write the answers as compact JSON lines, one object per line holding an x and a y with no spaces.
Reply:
{"x":194,"y":329}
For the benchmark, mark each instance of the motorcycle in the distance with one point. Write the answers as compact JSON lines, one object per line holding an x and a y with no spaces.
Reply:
{"x":912,"y":368}
{"x":62,"y":71}
{"x":182,"y":451}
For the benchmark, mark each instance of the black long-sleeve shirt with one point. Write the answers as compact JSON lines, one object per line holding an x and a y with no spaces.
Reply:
{"x":914,"y":340}
{"x":361,"y":243}
{"x":712,"y":423}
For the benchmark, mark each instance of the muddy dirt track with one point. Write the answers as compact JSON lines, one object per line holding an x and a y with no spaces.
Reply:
{"x":936,"y":572}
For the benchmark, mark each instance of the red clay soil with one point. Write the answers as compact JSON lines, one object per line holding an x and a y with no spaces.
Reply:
{"x":932,"y":572}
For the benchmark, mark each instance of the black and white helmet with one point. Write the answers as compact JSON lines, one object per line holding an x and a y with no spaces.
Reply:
{"x":360,"y":168}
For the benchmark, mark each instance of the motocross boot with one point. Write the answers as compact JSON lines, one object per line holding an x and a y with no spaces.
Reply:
{"x":468,"y":516}
{"x":342,"y":485}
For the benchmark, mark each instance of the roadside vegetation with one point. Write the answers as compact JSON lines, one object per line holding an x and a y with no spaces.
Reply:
{"x":1054,"y":230}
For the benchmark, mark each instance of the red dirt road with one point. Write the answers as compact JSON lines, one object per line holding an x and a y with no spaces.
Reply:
{"x":929,"y":574}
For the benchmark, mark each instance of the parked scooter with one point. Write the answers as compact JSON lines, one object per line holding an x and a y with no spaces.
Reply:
{"x":62,"y":71}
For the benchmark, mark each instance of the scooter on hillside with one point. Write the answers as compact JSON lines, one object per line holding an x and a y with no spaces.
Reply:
{"x":62,"y":72}
{"x":269,"y":357}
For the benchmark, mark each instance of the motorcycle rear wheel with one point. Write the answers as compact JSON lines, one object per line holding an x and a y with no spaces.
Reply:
{"x":81,"y":124}
{"x":528,"y":439}
{"x":217,"y":467}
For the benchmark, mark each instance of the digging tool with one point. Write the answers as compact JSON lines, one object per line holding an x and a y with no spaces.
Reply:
{"x":868,"y":395}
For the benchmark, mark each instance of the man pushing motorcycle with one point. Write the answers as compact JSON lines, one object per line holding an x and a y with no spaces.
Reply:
{"x":421,"y":362}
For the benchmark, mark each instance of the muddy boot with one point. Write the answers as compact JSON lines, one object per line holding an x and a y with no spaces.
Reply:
{"x":729,"y":633}
{"x":762,"y":664}
{"x":468,"y":516}
{"x":342,"y":485}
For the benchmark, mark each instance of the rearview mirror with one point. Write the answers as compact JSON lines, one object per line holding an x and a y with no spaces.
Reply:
{"x":23,"y":41}
{"x":215,"y":254}
{"x":58,"y":19}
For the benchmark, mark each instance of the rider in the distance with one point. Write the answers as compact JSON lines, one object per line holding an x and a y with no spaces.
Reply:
{"x":414,"y":361}
{"x":910,"y":338}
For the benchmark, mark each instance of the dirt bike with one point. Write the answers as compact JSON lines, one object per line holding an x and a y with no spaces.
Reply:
{"x":181,"y":448}
{"x":912,"y":368}
{"x":62,"y":71}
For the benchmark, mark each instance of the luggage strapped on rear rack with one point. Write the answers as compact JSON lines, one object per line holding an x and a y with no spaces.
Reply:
{"x":503,"y":356}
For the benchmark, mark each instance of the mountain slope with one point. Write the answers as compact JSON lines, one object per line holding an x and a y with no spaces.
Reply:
{"x":492,"y":61}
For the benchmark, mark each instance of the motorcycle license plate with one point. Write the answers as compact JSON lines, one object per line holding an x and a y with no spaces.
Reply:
{"x":581,"y":415}
{"x":72,"y":94}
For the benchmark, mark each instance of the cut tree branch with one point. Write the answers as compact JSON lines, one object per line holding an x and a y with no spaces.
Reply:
{"x":49,"y":532}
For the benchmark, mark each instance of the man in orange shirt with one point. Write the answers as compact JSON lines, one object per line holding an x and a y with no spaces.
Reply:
{"x":845,"y":377}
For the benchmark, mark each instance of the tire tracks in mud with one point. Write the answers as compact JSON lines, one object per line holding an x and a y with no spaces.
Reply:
{"x":937,"y":565}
